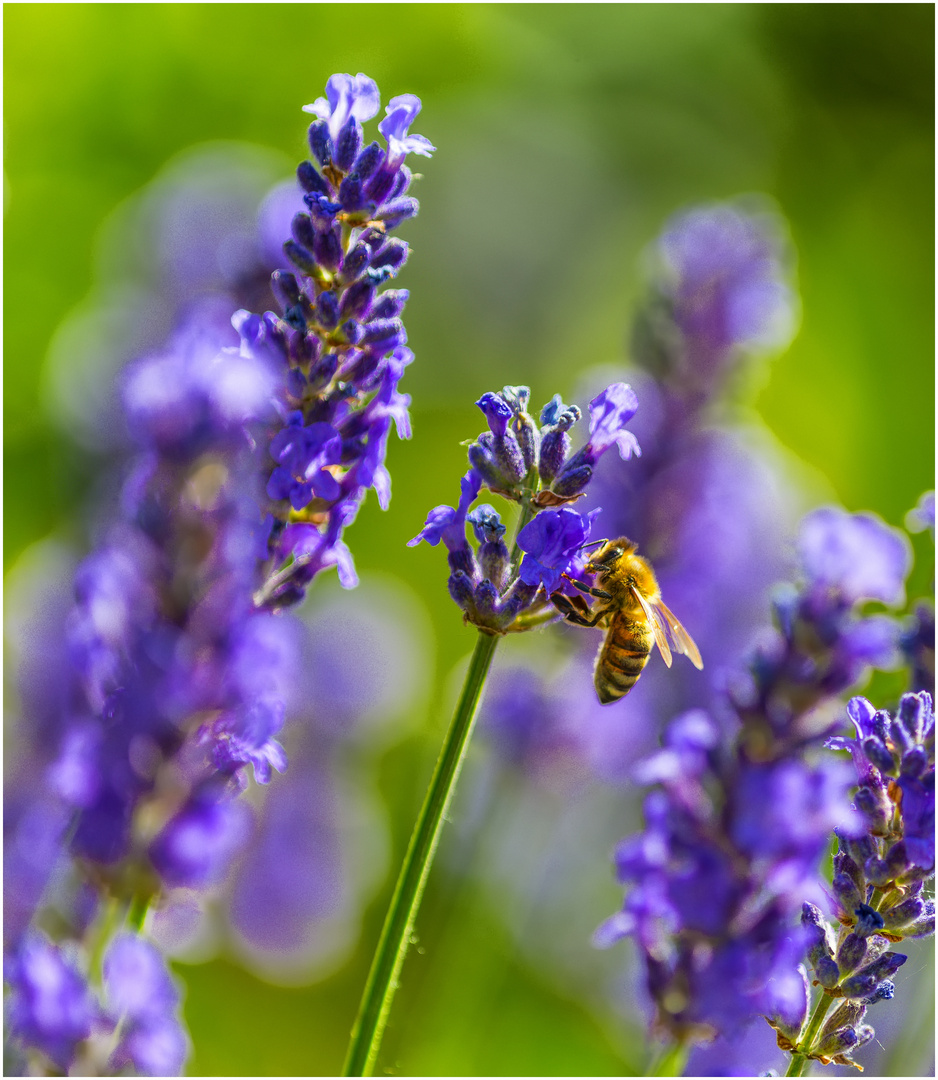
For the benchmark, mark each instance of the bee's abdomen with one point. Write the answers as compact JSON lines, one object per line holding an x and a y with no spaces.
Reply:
{"x":622,"y":659}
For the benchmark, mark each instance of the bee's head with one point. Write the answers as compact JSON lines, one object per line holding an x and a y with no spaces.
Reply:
{"x":609,"y":555}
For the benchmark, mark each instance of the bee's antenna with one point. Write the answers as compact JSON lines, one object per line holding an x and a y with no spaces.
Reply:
{"x":593,"y":543}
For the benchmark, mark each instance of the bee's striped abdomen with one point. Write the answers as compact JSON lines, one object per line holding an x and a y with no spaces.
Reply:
{"x":621,"y":659}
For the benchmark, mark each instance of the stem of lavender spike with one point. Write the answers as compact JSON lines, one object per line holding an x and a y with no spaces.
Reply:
{"x":399,"y":922}
{"x":799,"y":1062}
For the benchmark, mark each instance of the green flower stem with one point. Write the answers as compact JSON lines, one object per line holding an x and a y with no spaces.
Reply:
{"x":669,"y":1060}
{"x":399,"y":923}
{"x":799,"y":1061}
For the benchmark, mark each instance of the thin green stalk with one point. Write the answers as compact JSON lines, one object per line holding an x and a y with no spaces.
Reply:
{"x":799,"y":1062}
{"x":399,"y":923}
{"x":669,"y":1060}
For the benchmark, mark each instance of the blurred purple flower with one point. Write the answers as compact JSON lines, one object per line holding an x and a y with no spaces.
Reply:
{"x":51,"y":1006}
{"x":855,"y":555}
{"x":143,"y":1000}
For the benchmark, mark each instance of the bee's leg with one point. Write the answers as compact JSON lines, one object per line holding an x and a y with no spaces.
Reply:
{"x":566,"y":608}
{"x":589,"y":589}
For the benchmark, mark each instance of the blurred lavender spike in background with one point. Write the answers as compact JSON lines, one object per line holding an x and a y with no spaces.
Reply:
{"x":734,"y":835}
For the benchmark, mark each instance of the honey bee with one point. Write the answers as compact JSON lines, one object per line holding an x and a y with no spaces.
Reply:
{"x":633,"y":614}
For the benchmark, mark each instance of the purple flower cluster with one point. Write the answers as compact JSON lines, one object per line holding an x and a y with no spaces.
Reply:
{"x":531,"y":465}
{"x":735,"y":828}
{"x":339,"y":344}
{"x":130,"y":1022}
{"x":879,"y":875}
{"x":175,"y":692}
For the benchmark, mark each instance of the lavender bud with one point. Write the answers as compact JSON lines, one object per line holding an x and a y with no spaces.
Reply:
{"x":355,"y":262}
{"x":368,"y":160}
{"x":328,"y":249}
{"x":390,"y":303}
{"x":351,"y":330}
{"x":884,"y":967}
{"x":303,"y":348}
{"x":827,"y":972}
{"x":494,"y":561}
{"x":348,"y":144}
{"x":460,"y":589}
{"x":300,"y":257}
{"x":859,"y":848}
{"x":555,"y":446}
{"x":904,"y":914}
{"x":486,"y":600}
{"x":392,"y":255}
{"x":296,"y":383}
{"x":357,"y":300}
{"x":528,"y":439}
{"x":924,"y":926}
{"x":849,"y":1014}
{"x":310,"y":180}
{"x":499,"y":461}
{"x":572,"y":481}
{"x":302,"y":229}
{"x":914,"y":762}
{"x":913,"y":712}
{"x":327,"y":310}
{"x":843,"y":864}
{"x":401,"y":182}
{"x":836,"y":1042}
{"x":319,"y":142}
{"x":384,"y":334}
{"x":846,"y":892}
{"x":878,"y":755}
{"x":397,"y":210}
{"x":900,"y":736}
{"x":351,"y":195}
{"x":869,"y":920}
{"x":379,"y":187}
{"x":323,"y":371}
{"x":285,"y":288}
{"x":851,"y":953}
{"x":874,"y":805}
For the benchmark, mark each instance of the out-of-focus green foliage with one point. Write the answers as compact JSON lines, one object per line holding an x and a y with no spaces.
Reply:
{"x":566,"y":135}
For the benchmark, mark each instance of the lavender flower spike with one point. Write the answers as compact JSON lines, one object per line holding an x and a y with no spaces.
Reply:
{"x":339,"y":344}
{"x":519,"y":461}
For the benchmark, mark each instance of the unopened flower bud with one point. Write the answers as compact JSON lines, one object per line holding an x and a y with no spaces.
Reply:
{"x":319,"y":142}
{"x":461,"y":590}
{"x":351,"y":195}
{"x":348,"y":144}
{"x":310,"y":180}
{"x":848,"y":895}
{"x":873,"y":803}
{"x":851,"y":953}
{"x":285,"y":288}
{"x":368,"y":160}
{"x":327,"y":248}
{"x":878,"y":755}
{"x":390,"y":303}
{"x":869,"y":920}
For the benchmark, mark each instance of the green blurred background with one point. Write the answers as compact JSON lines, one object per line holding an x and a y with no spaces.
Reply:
{"x":566,"y":135}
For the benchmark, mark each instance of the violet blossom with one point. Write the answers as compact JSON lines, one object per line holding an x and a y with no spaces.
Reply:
{"x":735,"y":827}
{"x":499,"y":591}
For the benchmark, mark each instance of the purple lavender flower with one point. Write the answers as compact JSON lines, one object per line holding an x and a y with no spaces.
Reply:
{"x":735,"y":831}
{"x":549,"y":543}
{"x":51,"y":1007}
{"x":143,"y":1000}
{"x":340,"y":343}
{"x":530,"y":466}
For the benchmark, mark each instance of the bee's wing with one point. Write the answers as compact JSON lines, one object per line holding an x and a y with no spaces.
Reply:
{"x":683,"y":642}
{"x":654,"y":621}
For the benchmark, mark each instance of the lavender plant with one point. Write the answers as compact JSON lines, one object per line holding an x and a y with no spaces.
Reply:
{"x":177,"y":657}
{"x":500,"y":591}
{"x":743,"y":809}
